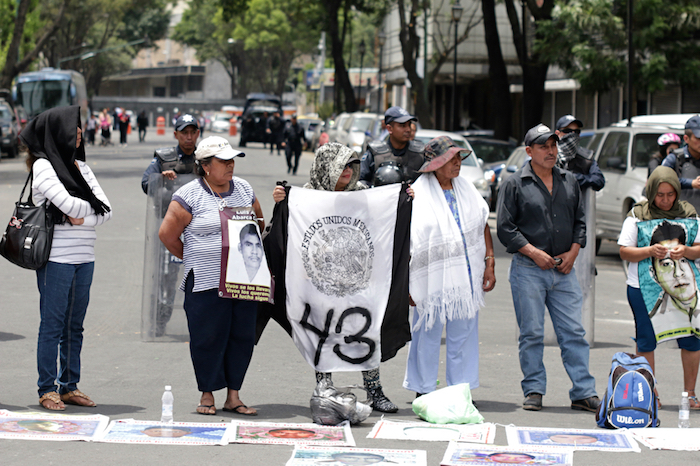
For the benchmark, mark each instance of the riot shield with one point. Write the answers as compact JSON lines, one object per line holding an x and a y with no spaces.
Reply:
{"x":162,"y":315}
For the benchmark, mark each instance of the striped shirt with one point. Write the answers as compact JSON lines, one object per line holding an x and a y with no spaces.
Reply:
{"x":202,"y":237}
{"x":72,"y":244}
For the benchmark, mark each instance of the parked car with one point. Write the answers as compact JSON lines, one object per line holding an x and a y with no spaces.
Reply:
{"x":318,"y":130}
{"x":220,"y":122}
{"x":472,"y":166}
{"x":494,"y":153}
{"x":10,"y":126}
{"x":359,"y":132}
{"x":309,"y":124}
{"x":623,"y":154}
{"x":336,"y":126}
{"x":513,"y":163}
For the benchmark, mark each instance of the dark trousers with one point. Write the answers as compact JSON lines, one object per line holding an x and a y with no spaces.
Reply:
{"x":295,"y":151}
{"x":142,"y":134}
{"x":222,"y":335}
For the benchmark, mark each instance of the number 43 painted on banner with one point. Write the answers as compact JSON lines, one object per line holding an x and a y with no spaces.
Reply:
{"x":357,"y":337}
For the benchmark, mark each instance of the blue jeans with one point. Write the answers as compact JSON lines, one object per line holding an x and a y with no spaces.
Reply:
{"x":532,"y":289}
{"x":65,"y":292}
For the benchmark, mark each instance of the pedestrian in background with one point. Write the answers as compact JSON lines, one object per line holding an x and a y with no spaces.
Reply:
{"x":124,"y":121}
{"x":90,"y":128}
{"x":293,"y":142}
{"x":447,"y":290}
{"x":142,"y":123}
{"x":222,"y":330}
{"x":275,"y":132}
{"x":56,"y":157}
{"x":541,"y":222}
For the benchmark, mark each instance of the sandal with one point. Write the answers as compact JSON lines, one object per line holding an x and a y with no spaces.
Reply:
{"x":693,"y":402}
{"x":53,"y":397}
{"x":76,"y":397}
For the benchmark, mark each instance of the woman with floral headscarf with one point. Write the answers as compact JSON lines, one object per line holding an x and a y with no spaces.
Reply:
{"x":337,"y":168}
{"x":77,"y":204}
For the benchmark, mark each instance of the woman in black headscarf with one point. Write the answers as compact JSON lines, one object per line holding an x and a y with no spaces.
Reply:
{"x":77,"y":204}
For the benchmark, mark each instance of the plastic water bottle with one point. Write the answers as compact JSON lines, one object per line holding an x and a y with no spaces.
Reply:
{"x":167,"y":410}
{"x":684,"y":412}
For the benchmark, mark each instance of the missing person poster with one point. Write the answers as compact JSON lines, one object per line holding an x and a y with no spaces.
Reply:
{"x":670,"y":285}
{"x":244,"y":271}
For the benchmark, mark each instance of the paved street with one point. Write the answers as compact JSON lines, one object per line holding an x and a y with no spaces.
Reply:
{"x":125,"y":376}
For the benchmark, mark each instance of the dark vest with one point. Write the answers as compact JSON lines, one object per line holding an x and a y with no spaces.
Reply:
{"x":688,"y":167}
{"x":409,"y":163}
{"x":169,"y":160}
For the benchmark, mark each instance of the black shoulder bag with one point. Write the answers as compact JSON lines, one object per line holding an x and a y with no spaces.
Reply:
{"x":28,"y":237}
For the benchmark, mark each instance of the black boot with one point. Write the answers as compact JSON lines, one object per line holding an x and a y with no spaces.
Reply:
{"x":380,"y":402}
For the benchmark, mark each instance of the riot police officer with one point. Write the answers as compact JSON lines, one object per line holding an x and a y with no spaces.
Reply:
{"x":399,"y":152}
{"x":170,"y":162}
{"x":686,"y":162}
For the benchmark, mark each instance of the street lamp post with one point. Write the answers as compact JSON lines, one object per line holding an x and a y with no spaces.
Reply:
{"x":381,"y":40}
{"x":456,"y":16}
{"x":362,"y":50}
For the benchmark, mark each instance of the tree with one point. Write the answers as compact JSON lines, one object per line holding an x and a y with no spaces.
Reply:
{"x":443,"y":46}
{"x":588,"y":39}
{"x":12,"y":63}
{"x":255,"y":42}
{"x":498,"y":73}
{"x":113,"y":24}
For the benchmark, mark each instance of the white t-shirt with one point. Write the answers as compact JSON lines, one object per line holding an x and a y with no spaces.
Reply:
{"x":628,"y":237}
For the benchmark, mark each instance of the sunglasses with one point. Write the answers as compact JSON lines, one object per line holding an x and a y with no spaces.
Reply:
{"x":569,"y":130}
{"x":350,"y":164}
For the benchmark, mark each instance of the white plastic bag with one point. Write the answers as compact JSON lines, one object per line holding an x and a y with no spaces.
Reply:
{"x":449,"y":405}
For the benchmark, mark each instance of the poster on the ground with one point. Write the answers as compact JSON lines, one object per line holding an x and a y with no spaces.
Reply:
{"x":425,"y":431}
{"x":669,"y":438}
{"x":161,"y":433}
{"x":291,"y":434}
{"x":464,"y":454}
{"x":50,"y":426}
{"x":576,"y":439}
{"x":306,"y":455}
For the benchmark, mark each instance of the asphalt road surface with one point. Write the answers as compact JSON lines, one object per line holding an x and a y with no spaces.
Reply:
{"x":125,"y":375}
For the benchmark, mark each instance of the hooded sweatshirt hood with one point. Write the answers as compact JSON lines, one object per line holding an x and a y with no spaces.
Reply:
{"x":329,"y":164}
{"x":52,"y":135}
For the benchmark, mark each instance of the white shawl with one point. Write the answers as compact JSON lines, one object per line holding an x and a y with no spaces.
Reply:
{"x":439,"y":278}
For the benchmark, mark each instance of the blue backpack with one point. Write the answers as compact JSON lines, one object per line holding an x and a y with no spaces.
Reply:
{"x":630,"y":400}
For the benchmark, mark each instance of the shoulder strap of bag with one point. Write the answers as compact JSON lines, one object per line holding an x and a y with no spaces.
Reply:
{"x":21,"y":195}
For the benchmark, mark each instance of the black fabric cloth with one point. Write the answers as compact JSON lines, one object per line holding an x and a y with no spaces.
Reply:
{"x":52,"y":135}
{"x":395,"y":330}
{"x":528,"y":213}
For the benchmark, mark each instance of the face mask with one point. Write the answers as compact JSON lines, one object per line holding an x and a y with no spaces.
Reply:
{"x":568,"y":145}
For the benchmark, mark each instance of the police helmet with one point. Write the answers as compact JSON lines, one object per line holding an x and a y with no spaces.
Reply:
{"x":387,"y":173}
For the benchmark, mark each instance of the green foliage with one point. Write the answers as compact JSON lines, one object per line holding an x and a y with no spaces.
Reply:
{"x":588,"y":39}
{"x":326,"y":110}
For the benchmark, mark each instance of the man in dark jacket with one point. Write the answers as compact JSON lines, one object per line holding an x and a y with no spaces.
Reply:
{"x":293,"y":142}
{"x":575,"y":158}
{"x":275,"y":131}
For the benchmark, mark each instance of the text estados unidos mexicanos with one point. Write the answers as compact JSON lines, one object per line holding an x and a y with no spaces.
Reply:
{"x":337,"y":220}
